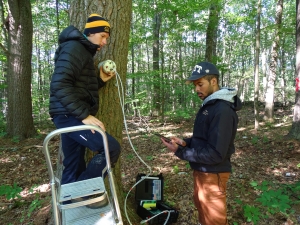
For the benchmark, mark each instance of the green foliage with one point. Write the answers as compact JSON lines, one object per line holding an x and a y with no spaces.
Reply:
{"x":251,"y":213}
{"x":275,"y":201}
{"x":130,"y":156}
{"x":149,"y":157}
{"x":271,"y":200}
{"x":179,"y":114}
{"x":10,"y":192}
{"x":2,"y":125}
{"x":254,"y":140}
{"x":188,"y":166}
{"x":36,"y":203}
{"x":16,"y":139}
{"x":265,"y":139}
{"x":176,"y":169}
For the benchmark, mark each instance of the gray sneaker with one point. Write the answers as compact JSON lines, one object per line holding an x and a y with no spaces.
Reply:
{"x":99,"y":204}
{"x":103,"y":201}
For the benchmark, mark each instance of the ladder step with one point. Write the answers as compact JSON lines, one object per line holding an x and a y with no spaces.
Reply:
{"x":81,"y":188}
{"x":83,"y":215}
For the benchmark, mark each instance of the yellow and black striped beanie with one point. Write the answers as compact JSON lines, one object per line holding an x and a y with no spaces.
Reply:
{"x":96,"y":24}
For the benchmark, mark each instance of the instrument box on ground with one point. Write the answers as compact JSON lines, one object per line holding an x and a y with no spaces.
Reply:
{"x":149,"y":199}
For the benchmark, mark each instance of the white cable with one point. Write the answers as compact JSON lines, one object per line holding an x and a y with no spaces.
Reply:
{"x":168,"y":211}
{"x":122,"y":102}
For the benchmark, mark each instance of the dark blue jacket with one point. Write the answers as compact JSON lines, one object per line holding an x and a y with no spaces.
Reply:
{"x":74,"y":83}
{"x":212,"y":143}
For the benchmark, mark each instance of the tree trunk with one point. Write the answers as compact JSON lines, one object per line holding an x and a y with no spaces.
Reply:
{"x":295,"y":130}
{"x":20,"y":30}
{"x":256,"y":66}
{"x":134,"y":105}
{"x":211,"y":32}
{"x":269,"y":108}
{"x":283,"y":72}
{"x":119,"y":15}
{"x":3,"y":77}
{"x":156,"y":69}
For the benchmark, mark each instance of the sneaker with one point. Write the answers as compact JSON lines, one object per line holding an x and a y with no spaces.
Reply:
{"x":103,"y":202}
{"x":99,"y":204}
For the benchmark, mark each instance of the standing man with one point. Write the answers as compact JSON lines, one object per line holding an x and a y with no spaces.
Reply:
{"x":74,"y":99}
{"x":211,"y":145}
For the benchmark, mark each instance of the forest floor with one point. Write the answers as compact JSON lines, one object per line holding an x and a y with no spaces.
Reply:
{"x":263,"y":188}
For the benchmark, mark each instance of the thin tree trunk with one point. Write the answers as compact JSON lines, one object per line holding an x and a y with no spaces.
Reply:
{"x":256,"y":66}
{"x":156,"y":58}
{"x":269,"y":108}
{"x":3,"y":90}
{"x":283,"y":71}
{"x":133,"y":71}
{"x":295,"y":130}
{"x":211,"y":32}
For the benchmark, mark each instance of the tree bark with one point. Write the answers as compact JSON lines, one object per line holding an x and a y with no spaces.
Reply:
{"x":3,"y":48}
{"x":20,"y":30}
{"x":211,"y":32}
{"x":118,"y":14}
{"x":295,"y":130}
{"x":269,"y":101}
{"x":256,"y":66}
{"x":156,"y":68}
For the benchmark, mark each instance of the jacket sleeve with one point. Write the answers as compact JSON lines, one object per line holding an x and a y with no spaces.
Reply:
{"x":69,"y":63}
{"x":101,"y":83}
{"x":214,"y":149}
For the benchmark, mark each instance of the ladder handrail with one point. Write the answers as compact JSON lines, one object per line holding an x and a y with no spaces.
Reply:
{"x":108,"y":164}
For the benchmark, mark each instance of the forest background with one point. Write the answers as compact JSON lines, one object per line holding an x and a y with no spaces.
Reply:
{"x":155,"y":45}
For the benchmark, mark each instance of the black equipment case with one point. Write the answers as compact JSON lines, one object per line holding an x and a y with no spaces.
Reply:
{"x":149,"y":199}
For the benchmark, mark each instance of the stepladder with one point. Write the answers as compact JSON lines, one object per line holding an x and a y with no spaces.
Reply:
{"x":74,"y":203}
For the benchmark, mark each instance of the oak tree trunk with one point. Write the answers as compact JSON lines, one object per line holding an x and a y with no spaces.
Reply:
{"x":20,"y":30}
{"x":118,"y":14}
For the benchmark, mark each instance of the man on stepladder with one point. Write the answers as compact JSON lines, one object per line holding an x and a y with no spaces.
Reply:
{"x":74,"y":99}
{"x":211,"y":145}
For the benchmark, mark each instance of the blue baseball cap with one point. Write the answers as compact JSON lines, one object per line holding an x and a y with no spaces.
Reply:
{"x":202,"y":69}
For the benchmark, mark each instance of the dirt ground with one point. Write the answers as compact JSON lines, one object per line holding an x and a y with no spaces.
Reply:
{"x":266,"y":155}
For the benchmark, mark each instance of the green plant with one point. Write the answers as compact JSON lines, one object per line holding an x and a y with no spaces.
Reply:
{"x":16,"y":139}
{"x":269,"y":124}
{"x":265,"y":139}
{"x":36,"y":203}
{"x":188,"y":166}
{"x":285,"y":118}
{"x":149,"y":157}
{"x":130,"y":156}
{"x":254,"y":140}
{"x":271,"y":199}
{"x":10,"y":192}
{"x":251,"y":213}
{"x":176,"y":169}
{"x":275,"y":201}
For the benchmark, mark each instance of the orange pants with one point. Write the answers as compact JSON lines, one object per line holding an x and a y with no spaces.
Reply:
{"x":210,"y":197}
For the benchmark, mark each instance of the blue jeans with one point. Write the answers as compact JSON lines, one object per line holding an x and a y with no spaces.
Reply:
{"x":73,"y":146}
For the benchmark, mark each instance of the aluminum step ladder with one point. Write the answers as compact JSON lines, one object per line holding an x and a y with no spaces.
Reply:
{"x":91,"y":190}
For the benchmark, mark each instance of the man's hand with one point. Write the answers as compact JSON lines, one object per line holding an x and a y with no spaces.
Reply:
{"x":107,"y":69}
{"x":106,"y":76}
{"x":91,"y":120}
{"x":173,"y":146}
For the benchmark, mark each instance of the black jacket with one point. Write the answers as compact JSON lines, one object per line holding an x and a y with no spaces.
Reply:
{"x":75,"y":83}
{"x":212,"y":143}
